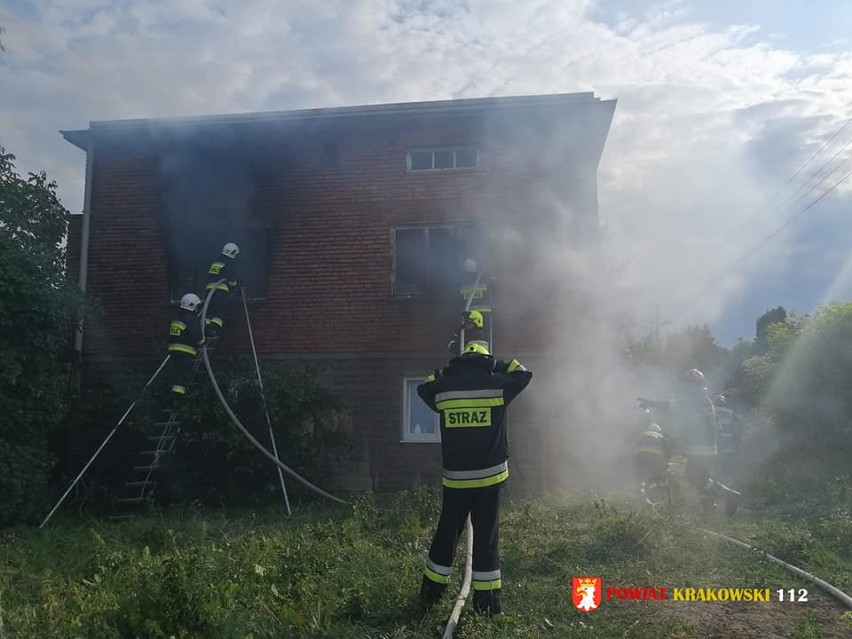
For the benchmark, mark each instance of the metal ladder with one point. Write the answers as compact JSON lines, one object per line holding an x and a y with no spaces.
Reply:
{"x":140,"y":488}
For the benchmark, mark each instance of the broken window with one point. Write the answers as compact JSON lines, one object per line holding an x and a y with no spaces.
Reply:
{"x":428,"y":259}
{"x":193,"y":249}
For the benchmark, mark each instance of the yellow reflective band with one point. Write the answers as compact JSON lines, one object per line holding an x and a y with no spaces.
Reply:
{"x":434,"y":576}
{"x":218,"y":322}
{"x":219,"y":287}
{"x":473,"y":402}
{"x":656,"y":451}
{"x":515,"y":365}
{"x":180,"y":390}
{"x":431,"y":378}
{"x":183,"y":348}
{"x":215,"y":267}
{"x":494,"y":584}
{"x":476,"y":483}
{"x":177,"y":327}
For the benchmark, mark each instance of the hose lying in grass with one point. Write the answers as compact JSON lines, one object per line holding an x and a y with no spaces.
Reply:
{"x":239,"y":424}
{"x":834,"y":591}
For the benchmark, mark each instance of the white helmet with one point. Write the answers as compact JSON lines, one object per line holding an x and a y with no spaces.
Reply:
{"x":230,"y":250}
{"x":469,"y":265}
{"x":190,"y":301}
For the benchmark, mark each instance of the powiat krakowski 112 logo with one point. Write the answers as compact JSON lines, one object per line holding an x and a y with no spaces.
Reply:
{"x":586,"y":593}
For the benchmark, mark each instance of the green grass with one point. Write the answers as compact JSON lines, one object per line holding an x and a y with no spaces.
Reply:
{"x":353,"y":572}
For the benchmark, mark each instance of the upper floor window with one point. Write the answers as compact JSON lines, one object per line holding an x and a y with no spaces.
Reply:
{"x":428,"y":259}
{"x":193,"y":249}
{"x":443,"y":159}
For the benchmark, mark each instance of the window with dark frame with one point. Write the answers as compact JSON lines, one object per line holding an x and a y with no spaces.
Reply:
{"x":443,"y":159}
{"x":193,"y":249}
{"x":428,"y":258}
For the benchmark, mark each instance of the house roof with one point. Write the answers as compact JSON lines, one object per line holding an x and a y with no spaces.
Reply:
{"x":80,"y":137}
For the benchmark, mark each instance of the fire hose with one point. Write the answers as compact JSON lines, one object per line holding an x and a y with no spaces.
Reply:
{"x":453,"y":620}
{"x":281,"y":465}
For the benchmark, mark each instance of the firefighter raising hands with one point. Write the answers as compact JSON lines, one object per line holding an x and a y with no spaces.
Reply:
{"x":471,"y":398}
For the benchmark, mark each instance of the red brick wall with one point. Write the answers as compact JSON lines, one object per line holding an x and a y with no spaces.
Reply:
{"x":329,"y":291}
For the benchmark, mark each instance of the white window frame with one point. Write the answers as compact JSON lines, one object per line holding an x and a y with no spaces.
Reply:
{"x":407,"y":436}
{"x":433,"y":150}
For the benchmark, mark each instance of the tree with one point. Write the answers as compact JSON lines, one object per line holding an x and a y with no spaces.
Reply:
{"x":38,"y":310}
{"x":775,"y":316}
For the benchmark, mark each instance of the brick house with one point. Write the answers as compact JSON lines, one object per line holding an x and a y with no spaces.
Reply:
{"x":352,"y":224}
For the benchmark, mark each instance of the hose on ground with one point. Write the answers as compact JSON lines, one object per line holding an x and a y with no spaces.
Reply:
{"x":832,"y":590}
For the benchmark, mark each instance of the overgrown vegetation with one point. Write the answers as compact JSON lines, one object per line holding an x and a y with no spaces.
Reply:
{"x":38,"y":310}
{"x":347,"y":572}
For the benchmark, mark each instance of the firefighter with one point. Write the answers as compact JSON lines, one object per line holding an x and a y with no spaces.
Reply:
{"x":471,"y":399}
{"x":695,"y":420}
{"x":650,"y":452}
{"x":184,"y":340}
{"x":472,"y":324}
{"x":481,"y":293}
{"x":222,"y":267}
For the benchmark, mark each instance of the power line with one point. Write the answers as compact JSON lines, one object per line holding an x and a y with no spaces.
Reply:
{"x":751,"y":251}
{"x":748,"y":219}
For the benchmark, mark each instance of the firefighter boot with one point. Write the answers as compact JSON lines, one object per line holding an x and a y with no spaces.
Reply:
{"x":730,"y":497}
{"x":487,"y":602}
{"x":430,"y":593}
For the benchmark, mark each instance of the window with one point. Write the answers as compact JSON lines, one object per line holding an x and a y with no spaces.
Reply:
{"x":443,"y":159}
{"x":428,"y":258}
{"x":419,"y":423}
{"x":191,"y":250}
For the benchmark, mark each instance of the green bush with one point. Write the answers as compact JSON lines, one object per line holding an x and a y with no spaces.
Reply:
{"x":38,"y":310}
{"x":214,"y":462}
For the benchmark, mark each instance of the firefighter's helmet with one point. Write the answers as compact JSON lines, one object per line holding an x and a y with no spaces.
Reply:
{"x":473,"y":317}
{"x":230,"y":250}
{"x":190,"y":302}
{"x":695,"y":376}
{"x":477,"y":346}
{"x":469,"y":265}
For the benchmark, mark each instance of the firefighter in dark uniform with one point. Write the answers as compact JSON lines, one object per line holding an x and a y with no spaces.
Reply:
{"x":694,"y":418}
{"x":650,"y":453}
{"x":471,"y":395}
{"x":472,"y":326}
{"x":223,"y":267}
{"x":481,"y":293}
{"x":184,"y":340}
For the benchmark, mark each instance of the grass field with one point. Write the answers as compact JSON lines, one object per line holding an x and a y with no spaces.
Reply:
{"x":354,"y":571}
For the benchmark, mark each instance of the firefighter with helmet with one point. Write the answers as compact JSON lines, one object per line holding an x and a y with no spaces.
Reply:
{"x":184,"y":341}
{"x":471,"y":395}
{"x":481,"y":295}
{"x":223,"y":267}
{"x":697,"y":423}
{"x":472,"y":325}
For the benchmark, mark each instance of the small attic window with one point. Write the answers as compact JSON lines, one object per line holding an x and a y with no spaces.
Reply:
{"x":443,"y":159}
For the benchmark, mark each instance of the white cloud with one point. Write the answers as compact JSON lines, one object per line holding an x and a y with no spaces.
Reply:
{"x":709,"y":121}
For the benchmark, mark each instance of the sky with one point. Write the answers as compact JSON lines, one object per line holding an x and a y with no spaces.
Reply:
{"x":719,"y":105}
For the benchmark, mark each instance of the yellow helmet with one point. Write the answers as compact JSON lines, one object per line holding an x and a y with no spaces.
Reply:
{"x":474,"y":317}
{"x":477,"y":346}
